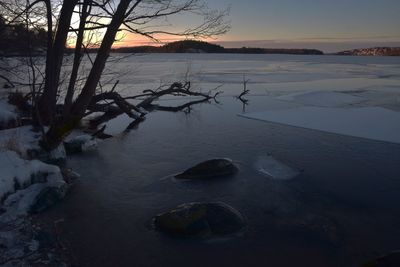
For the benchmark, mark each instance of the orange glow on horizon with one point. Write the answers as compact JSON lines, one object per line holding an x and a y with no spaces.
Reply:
{"x":132,"y":40}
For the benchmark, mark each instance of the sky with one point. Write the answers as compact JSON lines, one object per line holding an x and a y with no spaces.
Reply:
{"x":329,"y":25}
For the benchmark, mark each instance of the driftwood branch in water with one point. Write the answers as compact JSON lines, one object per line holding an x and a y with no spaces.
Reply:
{"x":100,"y":133}
{"x":119,"y":105}
{"x":245,"y":91}
{"x":181,"y":107}
{"x":243,"y":94}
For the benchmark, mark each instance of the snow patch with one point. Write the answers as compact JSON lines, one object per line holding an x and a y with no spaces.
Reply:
{"x":8,"y":115}
{"x":58,"y":153}
{"x":21,"y":139}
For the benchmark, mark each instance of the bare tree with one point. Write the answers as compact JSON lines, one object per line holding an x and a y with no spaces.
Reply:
{"x":107,"y":18}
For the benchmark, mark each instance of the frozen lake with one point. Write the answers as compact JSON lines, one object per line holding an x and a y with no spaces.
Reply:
{"x":340,"y":210}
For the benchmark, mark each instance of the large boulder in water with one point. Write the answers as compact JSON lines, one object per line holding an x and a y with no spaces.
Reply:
{"x":210,"y":169}
{"x":200,"y":220}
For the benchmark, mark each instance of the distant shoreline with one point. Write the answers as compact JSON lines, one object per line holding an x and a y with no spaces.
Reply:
{"x":92,"y":51}
{"x":244,"y":50}
{"x":191,"y":46}
{"x":200,"y":47}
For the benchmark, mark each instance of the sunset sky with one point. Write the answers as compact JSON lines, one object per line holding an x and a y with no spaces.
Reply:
{"x":323,"y":24}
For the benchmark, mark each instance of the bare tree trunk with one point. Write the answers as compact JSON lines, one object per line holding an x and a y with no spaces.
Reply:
{"x":49,"y":52}
{"x":48,"y":100}
{"x":63,"y":127}
{"x":77,"y":58}
{"x":88,"y":91}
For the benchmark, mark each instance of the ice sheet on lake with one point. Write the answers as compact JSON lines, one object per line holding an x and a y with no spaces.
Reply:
{"x":323,"y":99}
{"x":374,"y":123}
{"x":272,"y":168}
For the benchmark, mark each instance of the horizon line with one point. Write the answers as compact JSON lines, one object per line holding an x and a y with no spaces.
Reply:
{"x":326,"y":46}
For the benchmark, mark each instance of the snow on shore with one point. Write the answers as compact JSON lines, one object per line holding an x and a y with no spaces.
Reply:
{"x":8,"y":116}
{"x":21,"y":139}
{"x":22,"y":180}
{"x":27,"y":185}
{"x":24,"y":186}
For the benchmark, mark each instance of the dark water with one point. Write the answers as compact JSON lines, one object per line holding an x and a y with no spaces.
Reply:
{"x":342,"y":210}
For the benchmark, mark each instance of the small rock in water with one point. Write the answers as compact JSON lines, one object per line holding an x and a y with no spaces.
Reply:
{"x":200,"y":220}
{"x":209,"y":169}
{"x":47,"y":198}
{"x":389,"y":260}
{"x":80,"y":144}
{"x":69,"y":175}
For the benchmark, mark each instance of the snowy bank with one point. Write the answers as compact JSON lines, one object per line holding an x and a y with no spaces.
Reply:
{"x":22,"y":140}
{"x":8,"y":116}
{"x":21,"y":181}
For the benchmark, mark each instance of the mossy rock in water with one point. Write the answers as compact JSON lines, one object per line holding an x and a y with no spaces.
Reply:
{"x":210,"y":169}
{"x":200,"y":220}
{"x":389,"y":260}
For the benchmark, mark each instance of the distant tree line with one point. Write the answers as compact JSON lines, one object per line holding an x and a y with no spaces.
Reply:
{"x":192,"y":46}
{"x":17,"y":39}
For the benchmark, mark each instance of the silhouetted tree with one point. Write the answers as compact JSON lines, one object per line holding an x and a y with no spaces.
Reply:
{"x":107,"y":18}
